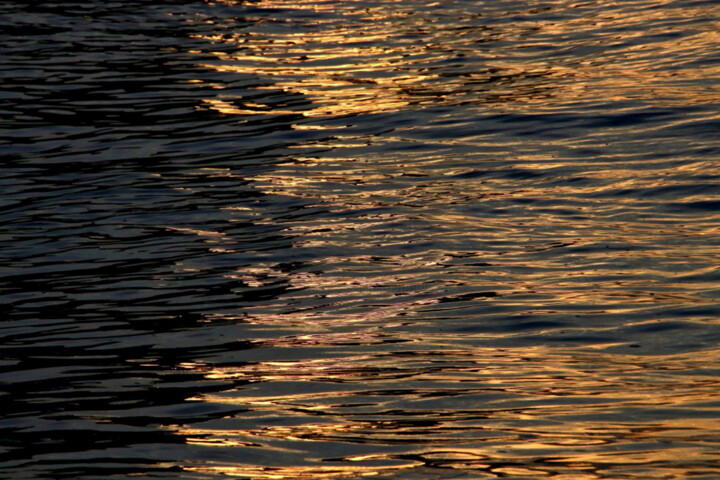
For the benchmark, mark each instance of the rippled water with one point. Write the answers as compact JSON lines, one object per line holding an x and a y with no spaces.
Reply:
{"x":324,"y":239}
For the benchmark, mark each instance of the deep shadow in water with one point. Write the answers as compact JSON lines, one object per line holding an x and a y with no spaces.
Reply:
{"x":112,"y":174}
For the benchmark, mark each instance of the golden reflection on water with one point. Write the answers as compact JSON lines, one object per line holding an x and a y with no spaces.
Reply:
{"x":375,"y":381}
{"x":285,"y":473}
{"x":494,"y":411}
{"x":351,"y":60}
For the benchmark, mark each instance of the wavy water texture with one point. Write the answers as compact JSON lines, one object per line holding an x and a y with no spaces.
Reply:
{"x":323,"y":239}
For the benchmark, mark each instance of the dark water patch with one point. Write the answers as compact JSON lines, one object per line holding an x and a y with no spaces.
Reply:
{"x":710,"y":206}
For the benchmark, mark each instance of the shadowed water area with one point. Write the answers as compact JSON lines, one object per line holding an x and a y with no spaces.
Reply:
{"x":361,"y":239}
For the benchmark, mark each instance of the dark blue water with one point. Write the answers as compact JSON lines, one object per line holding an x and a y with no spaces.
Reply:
{"x":362,"y":239}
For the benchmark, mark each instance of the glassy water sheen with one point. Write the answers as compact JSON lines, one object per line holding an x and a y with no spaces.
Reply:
{"x":360,"y":239}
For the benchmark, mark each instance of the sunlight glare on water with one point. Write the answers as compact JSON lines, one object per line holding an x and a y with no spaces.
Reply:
{"x":510,"y":230}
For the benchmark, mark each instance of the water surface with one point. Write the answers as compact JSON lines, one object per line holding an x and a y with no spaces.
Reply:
{"x":360,"y":239}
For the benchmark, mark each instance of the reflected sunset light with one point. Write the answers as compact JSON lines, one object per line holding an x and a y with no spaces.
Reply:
{"x":501,"y":263}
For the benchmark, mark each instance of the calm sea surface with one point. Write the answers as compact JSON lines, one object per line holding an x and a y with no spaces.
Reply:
{"x":360,"y":239}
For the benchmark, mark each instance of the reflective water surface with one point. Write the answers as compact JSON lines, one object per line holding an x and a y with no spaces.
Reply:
{"x":361,"y":239}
